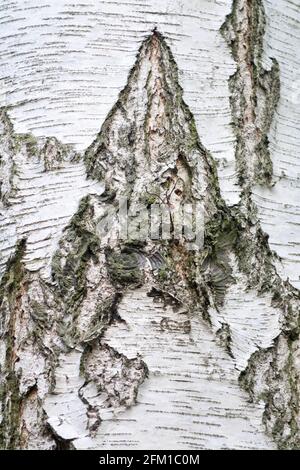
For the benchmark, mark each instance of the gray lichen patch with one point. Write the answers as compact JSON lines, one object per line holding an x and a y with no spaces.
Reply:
{"x":220,"y":237}
{"x":124,"y":268}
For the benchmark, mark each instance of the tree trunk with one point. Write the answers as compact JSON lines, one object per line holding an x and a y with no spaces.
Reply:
{"x":129,"y":333}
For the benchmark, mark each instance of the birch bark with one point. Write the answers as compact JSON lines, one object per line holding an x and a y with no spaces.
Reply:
{"x":130,"y":344}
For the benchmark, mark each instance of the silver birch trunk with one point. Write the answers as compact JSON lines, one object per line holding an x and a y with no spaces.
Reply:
{"x":142,"y":342}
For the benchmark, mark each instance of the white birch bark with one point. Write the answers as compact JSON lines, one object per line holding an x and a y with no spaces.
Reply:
{"x":111,"y":344}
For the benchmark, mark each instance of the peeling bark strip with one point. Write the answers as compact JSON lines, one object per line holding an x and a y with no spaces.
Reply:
{"x":145,"y":344}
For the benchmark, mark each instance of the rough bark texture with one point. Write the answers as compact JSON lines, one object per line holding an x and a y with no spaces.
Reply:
{"x":107,"y":343}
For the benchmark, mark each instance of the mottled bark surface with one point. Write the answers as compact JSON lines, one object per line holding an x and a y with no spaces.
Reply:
{"x":110,"y":343}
